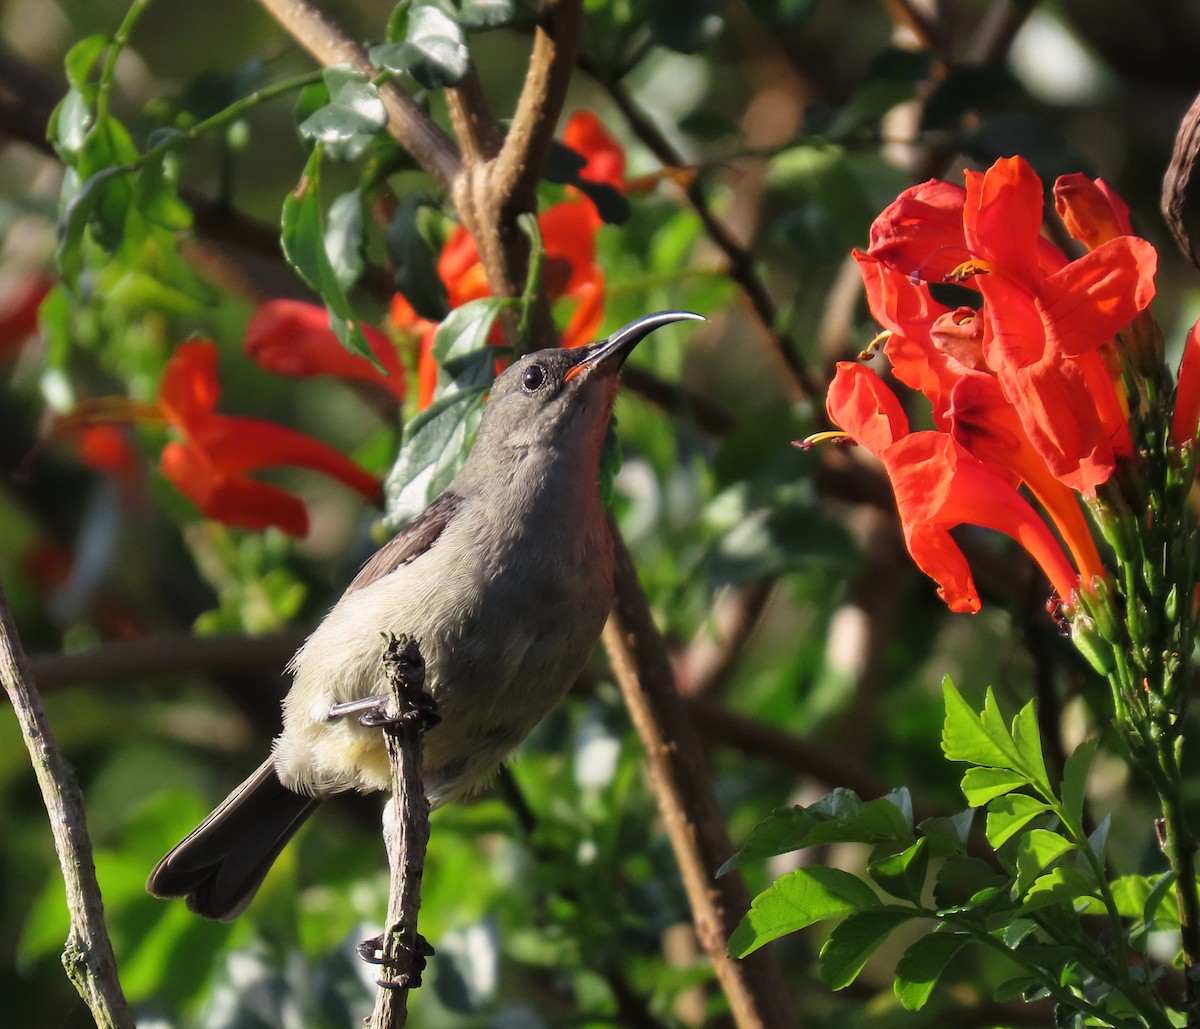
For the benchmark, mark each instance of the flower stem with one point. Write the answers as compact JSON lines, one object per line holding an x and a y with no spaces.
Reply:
{"x":1179,"y":845}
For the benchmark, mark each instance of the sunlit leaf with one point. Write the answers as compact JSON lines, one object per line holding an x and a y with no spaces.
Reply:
{"x":796,"y":900}
{"x":1008,"y":815}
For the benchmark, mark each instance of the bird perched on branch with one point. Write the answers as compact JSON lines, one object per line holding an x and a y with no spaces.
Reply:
{"x":504,"y":582}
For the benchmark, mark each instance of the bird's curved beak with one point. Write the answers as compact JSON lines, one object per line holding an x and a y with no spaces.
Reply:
{"x":611,"y":352}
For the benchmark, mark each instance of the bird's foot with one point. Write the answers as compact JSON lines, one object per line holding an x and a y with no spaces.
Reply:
{"x":373,"y":712}
{"x":408,"y":961}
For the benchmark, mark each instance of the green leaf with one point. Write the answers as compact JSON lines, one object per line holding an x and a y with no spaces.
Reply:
{"x":1074,"y":784}
{"x":487,"y":14}
{"x":903,"y":875}
{"x":156,"y":198}
{"x":948,"y":834}
{"x":434,"y":447}
{"x":961,"y":881}
{"x":1028,"y":741}
{"x":1037,"y":851}
{"x":853,"y":941}
{"x":974,"y":738}
{"x":82,"y":57}
{"x":355,"y":113}
{"x":434,"y":51}
{"x":1015,"y":932}
{"x":1063,"y":887}
{"x":1008,"y":815}
{"x":796,"y":900}
{"x":460,"y":344}
{"x":414,"y":261}
{"x":979,"y":785}
{"x":303,"y":240}
{"x":919,"y":969}
{"x":838,"y":817}
{"x":344,"y":241}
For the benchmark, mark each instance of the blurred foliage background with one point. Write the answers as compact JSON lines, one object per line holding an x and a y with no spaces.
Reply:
{"x":810,"y":650}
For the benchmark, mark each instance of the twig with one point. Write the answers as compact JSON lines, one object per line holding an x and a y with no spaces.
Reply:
{"x":402,"y":948}
{"x":88,"y":954}
{"x":740,"y":260}
{"x":683,"y":787}
{"x":411,"y":127}
{"x":710,"y":658}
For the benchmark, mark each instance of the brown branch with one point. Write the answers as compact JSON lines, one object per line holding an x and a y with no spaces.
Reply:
{"x":88,"y":955}
{"x":402,"y":949}
{"x":411,"y":127}
{"x":682,"y":784}
{"x":707,"y":663}
{"x":740,"y":261}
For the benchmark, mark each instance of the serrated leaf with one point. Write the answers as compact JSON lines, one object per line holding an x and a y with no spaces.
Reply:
{"x":1014,"y":932}
{"x":953,"y":829}
{"x":920,"y":967}
{"x":1008,"y":815}
{"x":838,"y":817}
{"x":979,"y":739}
{"x":853,"y":941}
{"x":303,"y":240}
{"x":903,"y":875}
{"x":1037,"y":851}
{"x":433,"y":450}
{"x":344,"y":241}
{"x":1074,"y":784}
{"x":979,"y":785}
{"x":796,"y":900}
{"x":1063,"y":887}
{"x":1027,"y":738}
{"x":413,"y":259}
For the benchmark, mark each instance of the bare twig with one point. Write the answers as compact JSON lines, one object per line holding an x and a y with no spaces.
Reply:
{"x":739,"y":259}
{"x":401,"y":947}
{"x":706,"y":664}
{"x":411,"y":127}
{"x":683,"y":787}
{"x":88,"y":954}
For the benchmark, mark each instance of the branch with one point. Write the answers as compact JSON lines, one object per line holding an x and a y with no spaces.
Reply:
{"x":88,"y":955}
{"x":411,"y":127}
{"x":683,"y":786}
{"x":740,"y":261}
{"x":406,"y":829}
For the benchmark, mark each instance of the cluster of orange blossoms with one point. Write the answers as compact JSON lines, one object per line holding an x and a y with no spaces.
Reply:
{"x":214,"y":454}
{"x":1025,"y":385}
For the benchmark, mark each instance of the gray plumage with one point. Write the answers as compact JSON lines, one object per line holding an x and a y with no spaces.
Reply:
{"x":504,"y":581}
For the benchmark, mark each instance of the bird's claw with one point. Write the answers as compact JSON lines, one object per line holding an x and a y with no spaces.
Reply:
{"x":409,"y":961}
{"x":374,"y":713}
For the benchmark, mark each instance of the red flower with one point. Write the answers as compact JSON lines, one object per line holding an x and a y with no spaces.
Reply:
{"x":1045,"y":319}
{"x":586,"y":134}
{"x":19,"y":310}
{"x":291,"y":337}
{"x":211,"y":463}
{"x":938,"y":484}
{"x":1186,"y":419}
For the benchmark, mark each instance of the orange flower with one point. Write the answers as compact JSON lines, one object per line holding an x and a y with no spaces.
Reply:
{"x":586,"y":134}
{"x":938,"y":484}
{"x":210,"y":464}
{"x":1044,"y":320}
{"x":291,"y":337}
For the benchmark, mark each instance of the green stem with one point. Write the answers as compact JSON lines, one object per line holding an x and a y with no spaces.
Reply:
{"x":119,"y":40}
{"x":1179,"y":845}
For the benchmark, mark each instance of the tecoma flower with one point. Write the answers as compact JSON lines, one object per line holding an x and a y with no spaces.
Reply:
{"x":938,"y":484}
{"x":292,"y":337}
{"x":1186,"y":419}
{"x":210,"y":463}
{"x":1047,"y":323}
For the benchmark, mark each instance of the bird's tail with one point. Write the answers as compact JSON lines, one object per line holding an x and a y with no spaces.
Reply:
{"x":223,"y":861}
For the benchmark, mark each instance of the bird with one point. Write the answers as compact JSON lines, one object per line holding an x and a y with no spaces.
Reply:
{"x":504,"y":582}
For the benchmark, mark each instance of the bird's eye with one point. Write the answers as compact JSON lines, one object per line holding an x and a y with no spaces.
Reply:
{"x":532,"y":378}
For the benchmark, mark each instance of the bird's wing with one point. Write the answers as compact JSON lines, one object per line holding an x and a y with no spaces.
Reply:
{"x":410,"y":542}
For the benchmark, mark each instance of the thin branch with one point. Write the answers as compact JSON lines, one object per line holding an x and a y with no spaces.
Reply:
{"x":681,"y":781}
{"x":740,"y":260}
{"x":710,"y":658}
{"x":401,"y":947}
{"x":88,"y":955}
{"x":555,"y":44}
{"x":411,"y":127}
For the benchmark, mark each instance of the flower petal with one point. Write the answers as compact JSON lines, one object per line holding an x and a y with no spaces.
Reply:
{"x":1186,"y":420}
{"x":859,"y":402}
{"x":1092,"y":213}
